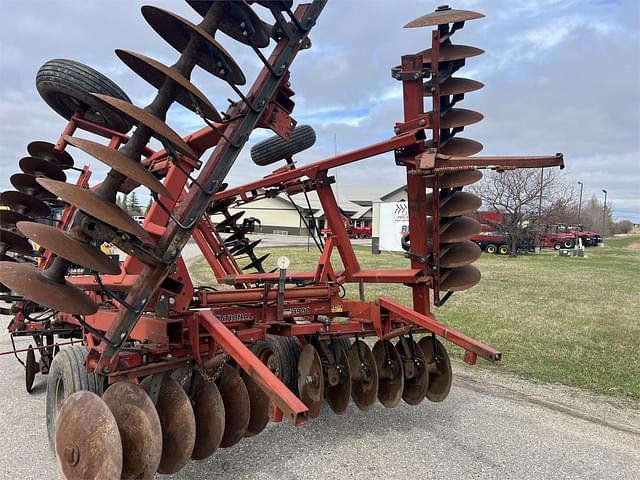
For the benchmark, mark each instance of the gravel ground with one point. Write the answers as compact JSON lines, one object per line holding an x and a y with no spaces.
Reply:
{"x":491,"y":426}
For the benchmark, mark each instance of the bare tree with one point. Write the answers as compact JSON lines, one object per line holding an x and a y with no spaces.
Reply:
{"x":525,"y":197}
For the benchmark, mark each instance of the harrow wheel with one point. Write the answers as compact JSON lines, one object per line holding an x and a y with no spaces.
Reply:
{"x":283,"y":359}
{"x":338,"y":388}
{"x":390,"y":373}
{"x":139,"y":427}
{"x":237,"y":406}
{"x":439,"y":367}
{"x":311,"y":380}
{"x":31,"y":367}
{"x":364,"y":375}
{"x":87,"y":441}
{"x":416,"y":373}
{"x":178,"y":424}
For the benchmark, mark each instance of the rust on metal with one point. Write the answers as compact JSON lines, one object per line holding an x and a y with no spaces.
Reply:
{"x":236,"y":406}
{"x":416,"y":378}
{"x":440,"y":375}
{"x":448,"y":53}
{"x":456,"y":279}
{"x":364,"y":376}
{"x":139,"y":427}
{"x":156,"y":73}
{"x":208,"y":409}
{"x":459,"y":254}
{"x":25,"y":183}
{"x":456,"y":179}
{"x":138,"y":115}
{"x":390,"y":373}
{"x":457,"y":229}
{"x":50,"y":153}
{"x":456,"y":204}
{"x":458,"y":146}
{"x":311,"y":380}
{"x":69,"y":247}
{"x":339,"y":394}
{"x":259,"y":407}
{"x":459,"y":117}
{"x":93,"y":205}
{"x":177,"y":31}
{"x":40,"y":167}
{"x":443,"y":15}
{"x":120,"y":163}
{"x":455,"y":86}
{"x":24,"y":204}
{"x":15,"y":242}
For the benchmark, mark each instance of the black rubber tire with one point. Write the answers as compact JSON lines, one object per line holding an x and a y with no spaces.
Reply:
{"x":568,"y":243}
{"x":274,"y":149}
{"x":66,"y":86}
{"x":504,"y":250}
{"x":491,"y":248}
{"x":557,"y":246}
{"x":67,"y":375}
{"x":287,"y":350}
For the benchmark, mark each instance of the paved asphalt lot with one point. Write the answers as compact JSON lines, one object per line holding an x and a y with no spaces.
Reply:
{"x":489,"y":427}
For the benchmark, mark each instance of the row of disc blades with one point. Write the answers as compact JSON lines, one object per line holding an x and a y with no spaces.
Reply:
{"x":389,"y":373}
{"x":124,"y":435}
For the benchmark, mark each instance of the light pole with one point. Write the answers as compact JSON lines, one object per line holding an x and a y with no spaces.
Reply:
{"x":580,"y":202}
{"x":604,"y":214}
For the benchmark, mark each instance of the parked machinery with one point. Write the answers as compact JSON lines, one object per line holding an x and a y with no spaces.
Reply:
{"x":167,"y":371}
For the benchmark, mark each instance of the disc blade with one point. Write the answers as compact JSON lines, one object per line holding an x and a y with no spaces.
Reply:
{"x":415,"y":387}
{"x":451,"y":52}
{"x":459,"y":117}
{"x":390,"y":374}
{"x":156,"y":73}
{"x":237,"y":406}
{"x":24,"y":204}
{"x":234,"y":15}
{"x":364,"y":376}
{"x":456,"y":179}
{"x":459,"y":254}
{"x":338,"y":396}
{"x":459,"y":203}
{"x":208,"y":409}
{"x":50,"y":153}
{"x":310,"y":380}
{"x":458,"y":146}
{"x":138,"y":116}
{"x":31,"y":283}
{"x":443,"y":15}
{"x":87,"y":442}
{"x":69,"y":247}
{"x":25,"y":183}
{"x":120,"y":163}
{"x":178,"y":424}
{"x":30,"y":369}
{"x":14,"y":242}
{"x":42,"y":168}
{"x":177,"y":31}
{"x":439,"y":364}
{"x":457,"y":279}
{"x":457,"y":229}
{"x":9,"y":219}
{"x":456,"y":86}
{"x":139,"y":427}
{"x":93,"y":205}
{"x":260,"y":407}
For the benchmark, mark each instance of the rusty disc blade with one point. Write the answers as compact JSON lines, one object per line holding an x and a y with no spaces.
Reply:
{"x":178,"y":424}
{"x":6,"y":258}
{"x":87,"y":443}
{"x":440,"y":375}
{"x":454,"y":86}
{"x":456,"y":204}
{"x":338,"y":395}
{"x":457,"y":229}
{"x":25,"y":183}
{"x":24,"y":204}
{"x":69,"y":247}
{"x":458,"y":146}
{"x":30,"y":369}
{"x":139,"y":427}
{"x":457,"y":279}
{"x":237,"y":406}
{"x":15,"y":242}
{"x":31,"y":283}
{"x":177,"y":31}
{"x":234,"y":15}
{"x":138,"y":116}
{"x":451,"y":52}
{"x":310,"y":380}
{"x":390,"y":374}
{"x":208,"y":409}
{"x":459,"y":117}
{"x":42,"y":168}
{"x":364,"y":376}
{"x":456,"y":179}
{"x":260,"y":407}
{"x":416,"y":383}
{"x":120,"y":163}
{"x":455,"y":255}
{"x":93,"y":205}
{"x":50,"y":153}
{"x":156,"y":73}
{"x":443,"y":15}
{"x":8,"y":219}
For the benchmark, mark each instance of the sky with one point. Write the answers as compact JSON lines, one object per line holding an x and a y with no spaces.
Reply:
{"x":559,"y":75}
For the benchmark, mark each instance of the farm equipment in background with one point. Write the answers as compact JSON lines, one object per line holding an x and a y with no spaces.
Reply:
{"x":164,"y":370}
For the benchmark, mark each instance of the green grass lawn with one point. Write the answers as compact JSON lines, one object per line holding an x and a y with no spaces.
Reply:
{"x":574,"y":321}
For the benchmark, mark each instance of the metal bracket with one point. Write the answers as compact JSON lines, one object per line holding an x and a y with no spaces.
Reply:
{"x":156,"y":384}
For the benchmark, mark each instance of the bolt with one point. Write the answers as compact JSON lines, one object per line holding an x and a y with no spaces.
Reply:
{"x":106,"y":370}
{"x":422,"y":123}
{"x":396,"y":130}
{"x":71,"y":455}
